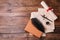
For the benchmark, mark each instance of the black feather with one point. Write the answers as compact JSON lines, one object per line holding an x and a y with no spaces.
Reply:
{"x":38,"y":24}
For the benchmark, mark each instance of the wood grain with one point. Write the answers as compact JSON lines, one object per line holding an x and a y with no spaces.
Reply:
{"x":22,"y":36}
{"x":15,"y":14}
{"x":53,"y":37}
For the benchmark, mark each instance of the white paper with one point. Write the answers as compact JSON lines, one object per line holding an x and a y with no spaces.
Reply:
{"x":48,"y":28}
{"x":44,"y":5}
{"x":50,"y":11}
{"x":41,"y":11}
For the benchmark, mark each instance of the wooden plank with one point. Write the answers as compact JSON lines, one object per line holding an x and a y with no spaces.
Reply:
{"x":3,"y":1}
{"x":19,"y":3}
{"x":21,"y":14}
{"x":3,"y":5}
{"x":12,"y":29}
{"x":25,"y":9}
{"x":13,"y":20}
{"x":13,"y":24}
{"x":53,"y":37}
{"x":22,"y":36}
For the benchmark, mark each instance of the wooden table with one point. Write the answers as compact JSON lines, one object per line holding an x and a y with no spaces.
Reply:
{"x":14,"y":15}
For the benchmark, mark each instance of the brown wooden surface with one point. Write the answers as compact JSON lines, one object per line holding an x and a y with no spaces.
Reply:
{"x":14,"y":15}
